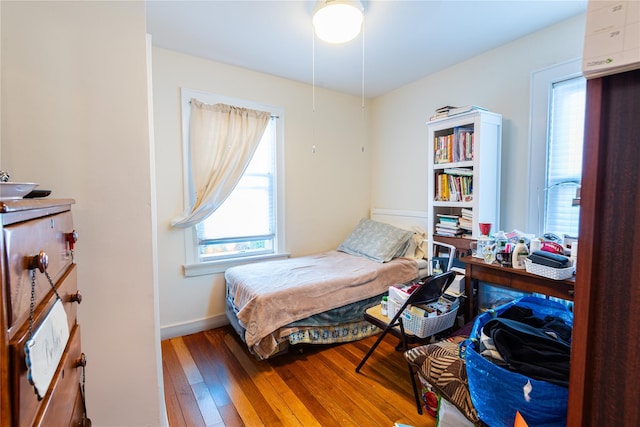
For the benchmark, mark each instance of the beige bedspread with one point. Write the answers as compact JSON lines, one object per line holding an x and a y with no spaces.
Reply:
{"x":269,"y":295}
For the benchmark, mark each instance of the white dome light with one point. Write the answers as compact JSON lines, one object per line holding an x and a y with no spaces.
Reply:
{"x":337,"y":21}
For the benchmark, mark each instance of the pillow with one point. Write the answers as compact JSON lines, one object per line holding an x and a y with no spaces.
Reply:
{"x":441,"y":366}
{"x":377,"y":241}
{"x":417,"y":247}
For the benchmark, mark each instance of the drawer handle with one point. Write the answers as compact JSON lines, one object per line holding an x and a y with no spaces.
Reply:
{"x":77,"y":297}
{"x":40,"y":261}
{"x":71,"y":238}
{"x":81,"y":361}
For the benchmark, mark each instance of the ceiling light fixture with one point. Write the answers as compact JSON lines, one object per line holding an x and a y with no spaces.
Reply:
{"x":338,"y":21}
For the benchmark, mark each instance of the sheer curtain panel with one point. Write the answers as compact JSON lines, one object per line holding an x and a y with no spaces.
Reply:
{"x":222,"y":141}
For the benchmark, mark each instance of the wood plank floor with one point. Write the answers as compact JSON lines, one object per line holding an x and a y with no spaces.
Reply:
{"x":210,"y":379}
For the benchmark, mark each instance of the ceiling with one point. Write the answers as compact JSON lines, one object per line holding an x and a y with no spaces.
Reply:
{"x":403,"y":40}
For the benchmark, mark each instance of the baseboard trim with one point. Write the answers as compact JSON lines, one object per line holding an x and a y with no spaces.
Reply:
{"x":193,"y":326}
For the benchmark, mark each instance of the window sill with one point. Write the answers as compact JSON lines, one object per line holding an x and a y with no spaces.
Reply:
{"x":217,"y":267}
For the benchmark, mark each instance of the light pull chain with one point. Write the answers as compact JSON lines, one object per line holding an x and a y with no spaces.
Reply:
{"x":362,"y":65}
{"x":362,"y":93}
{"x":313,"y":71}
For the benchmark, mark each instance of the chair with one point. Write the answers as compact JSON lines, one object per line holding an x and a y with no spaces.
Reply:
{"x":441,"y":365}
{"x":429,"y":290}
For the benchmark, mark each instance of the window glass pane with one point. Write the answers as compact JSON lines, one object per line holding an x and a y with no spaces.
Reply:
{"x":245,"y":223}
{"x":564,"y":156}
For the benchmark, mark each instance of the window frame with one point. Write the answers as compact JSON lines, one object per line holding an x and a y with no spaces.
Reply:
{"x":540,"y":94}
{"x":193,"y":265}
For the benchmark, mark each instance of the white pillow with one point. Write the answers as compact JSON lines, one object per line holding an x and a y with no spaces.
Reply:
{"x":417,"y":247}
{"x":377,"y":241}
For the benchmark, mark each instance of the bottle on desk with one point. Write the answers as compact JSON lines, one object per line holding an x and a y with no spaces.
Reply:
{"x":437,"y":269}
{"x":520,"y":252}
{"x":501,"y":241}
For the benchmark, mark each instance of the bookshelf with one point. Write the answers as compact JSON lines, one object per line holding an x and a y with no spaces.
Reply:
{"x":464,"y":176}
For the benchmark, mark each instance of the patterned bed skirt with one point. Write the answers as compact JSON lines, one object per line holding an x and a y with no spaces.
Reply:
{"x":339,"y":325}
{"x":311,"y":334}
{"x":332,"y":334}
{"x":337,"y":334}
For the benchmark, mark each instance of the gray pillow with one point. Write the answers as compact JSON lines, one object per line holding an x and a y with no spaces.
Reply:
{"x":377,"y":241}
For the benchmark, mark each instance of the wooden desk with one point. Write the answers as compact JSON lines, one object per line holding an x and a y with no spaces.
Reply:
{"x":476,"y":270}
{"x":463,"y":245}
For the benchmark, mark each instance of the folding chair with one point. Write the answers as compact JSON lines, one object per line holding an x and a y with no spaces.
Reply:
{"x":430,"y":290}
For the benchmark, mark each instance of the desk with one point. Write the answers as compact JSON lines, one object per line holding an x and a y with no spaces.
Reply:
{"x":477,"y":270}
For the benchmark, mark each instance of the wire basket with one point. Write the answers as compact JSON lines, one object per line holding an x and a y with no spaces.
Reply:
{"x":548,"y":272}
{"x":423,"y":327}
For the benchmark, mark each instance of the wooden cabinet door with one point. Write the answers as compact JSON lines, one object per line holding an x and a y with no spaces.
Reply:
{"x":603,"y":387}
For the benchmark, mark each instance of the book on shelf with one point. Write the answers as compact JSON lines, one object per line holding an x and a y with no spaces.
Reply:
{"x":448,"y":218}
{"x":466,"y":219}
{"x":443,"y":149}
{"x":464,"y":109}
{"x":441,"y":112}
{"x":459,"y":171}
{"x":444,"y":109}
{"x":453,"y":188}
{"x":448,"y":233}
{"x":449,"y":110}
{"x":437,"y":116}
{"x":463,"y":142}
{"x":456,"y":146}
{"x":466,"y":225}
{"x":448,"y":225}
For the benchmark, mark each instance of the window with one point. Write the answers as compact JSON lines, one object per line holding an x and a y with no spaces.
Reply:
{"x":558,"y":97}
{"x":249,"y":224}
{"x":245,"y":224}
{"x":564,"y":158}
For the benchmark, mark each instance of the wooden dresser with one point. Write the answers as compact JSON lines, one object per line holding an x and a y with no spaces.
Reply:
{"x":37,"y":243}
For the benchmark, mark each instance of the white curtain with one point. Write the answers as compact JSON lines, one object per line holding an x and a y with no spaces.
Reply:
{"x":222,"y":141}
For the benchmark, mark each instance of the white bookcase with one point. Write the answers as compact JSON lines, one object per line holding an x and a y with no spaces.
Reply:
{"x":470,"y":144}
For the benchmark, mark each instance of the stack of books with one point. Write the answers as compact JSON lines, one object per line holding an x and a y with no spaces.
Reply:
{"x":448,"y":111}
{"x":466,"y":220}
{"x":442,"y":112}
{"x":448,"y":225}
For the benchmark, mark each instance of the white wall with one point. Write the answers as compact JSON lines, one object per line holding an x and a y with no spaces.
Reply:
{"x":326,"y":192}
{"x":74,"y":119}
{"x":329,"y":191}
{"x":498,"y":80}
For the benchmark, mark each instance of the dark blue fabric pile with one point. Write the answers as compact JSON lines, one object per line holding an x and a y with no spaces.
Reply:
{"x":535,"y":347}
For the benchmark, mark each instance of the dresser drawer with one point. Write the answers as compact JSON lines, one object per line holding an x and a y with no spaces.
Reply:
{"x":63,"y":407}
{"x":57,"y":406}
{"x":24,"y":240}
{"x":67,"y":288}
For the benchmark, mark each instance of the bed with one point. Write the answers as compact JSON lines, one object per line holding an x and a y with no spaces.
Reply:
{"x":321,"y":298}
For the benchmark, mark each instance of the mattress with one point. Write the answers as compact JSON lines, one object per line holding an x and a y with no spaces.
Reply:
{"x":315,"y":329}
{"x":265,"y":300}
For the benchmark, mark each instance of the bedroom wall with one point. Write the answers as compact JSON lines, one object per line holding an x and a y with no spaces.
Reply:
{"x":497,"y":80}
{"x":326,"y":192}
{"x":75,"y":119}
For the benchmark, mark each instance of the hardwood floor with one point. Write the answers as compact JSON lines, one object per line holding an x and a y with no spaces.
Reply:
{"x":210,"y":379}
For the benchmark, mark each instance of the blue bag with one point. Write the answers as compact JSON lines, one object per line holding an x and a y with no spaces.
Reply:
{"x":498,"y":393}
